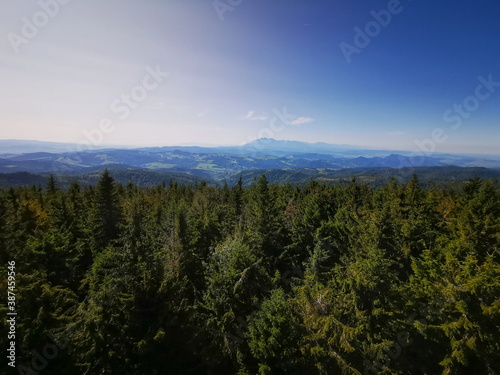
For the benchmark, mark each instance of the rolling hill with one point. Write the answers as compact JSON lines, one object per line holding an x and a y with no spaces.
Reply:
{"x":428,"y":176}
{"x":283,"y":161}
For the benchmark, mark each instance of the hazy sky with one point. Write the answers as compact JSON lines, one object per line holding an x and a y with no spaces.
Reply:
{"x":286,"y":69}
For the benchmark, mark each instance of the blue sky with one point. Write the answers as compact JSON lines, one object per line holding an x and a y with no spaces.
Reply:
{"x":232,"y":69}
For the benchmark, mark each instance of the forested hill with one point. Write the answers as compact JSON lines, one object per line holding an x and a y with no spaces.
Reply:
{"x":218,"y":162}
{"x":267,"y":279}
{"x":428,"y":176}
{"x":123,"y":176}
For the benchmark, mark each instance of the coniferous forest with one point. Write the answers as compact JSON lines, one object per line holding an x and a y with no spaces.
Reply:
{"x":267,"y":279}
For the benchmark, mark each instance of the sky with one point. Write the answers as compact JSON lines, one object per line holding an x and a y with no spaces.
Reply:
{"x":400,"y":75}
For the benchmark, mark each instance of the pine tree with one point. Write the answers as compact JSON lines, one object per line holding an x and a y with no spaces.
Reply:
{"x":105,"y":214}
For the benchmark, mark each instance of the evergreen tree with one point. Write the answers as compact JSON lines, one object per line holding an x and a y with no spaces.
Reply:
{"x":105,"y":214}
{"x":266,"y":279}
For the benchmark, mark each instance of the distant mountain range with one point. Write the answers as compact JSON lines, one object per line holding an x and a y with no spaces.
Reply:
{"x":18,"y":146}
{"x":218,"y":163}
{"x":263,"y":146}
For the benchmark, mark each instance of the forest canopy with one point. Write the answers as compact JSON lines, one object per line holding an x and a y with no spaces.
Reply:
{"x":266,"y":279}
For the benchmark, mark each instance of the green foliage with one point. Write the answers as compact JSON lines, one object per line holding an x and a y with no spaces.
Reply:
{"x":275,"y":333}
{"x":269,"y":279}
